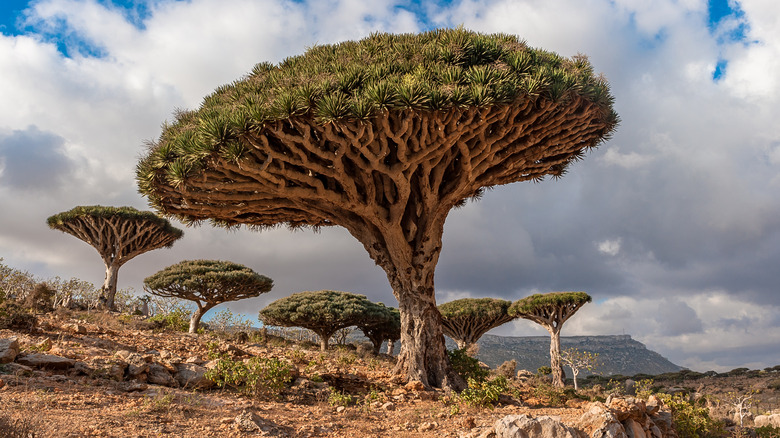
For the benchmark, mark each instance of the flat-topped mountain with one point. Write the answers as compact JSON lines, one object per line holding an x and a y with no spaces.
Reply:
{"x":618,"y":354}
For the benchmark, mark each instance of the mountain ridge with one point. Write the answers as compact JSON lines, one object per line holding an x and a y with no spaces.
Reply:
{"x":618,"y":354}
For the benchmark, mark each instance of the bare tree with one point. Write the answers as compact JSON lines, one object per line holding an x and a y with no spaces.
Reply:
{"x":467,"y":319}
{"x":384,"y":137}
{"x":579,"y":360}
{"x":550,"y":311}
{"x":207,"y":283}
{"x":118,"y":234}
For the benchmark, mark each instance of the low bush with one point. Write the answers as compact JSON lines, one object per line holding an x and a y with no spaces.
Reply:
{"x":15,"y":316}
{"x":467,"y":366}
{"x":256,"y":377}
{"x":691,"y":419}
{"x":485,"y":393}
{"x":507,"y":369}
{"x":176,"y":320}
{"x":768,"y":432}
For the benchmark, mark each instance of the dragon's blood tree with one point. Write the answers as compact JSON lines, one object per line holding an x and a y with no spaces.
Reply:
{"x":551,"y":310}
{"x":118,"y":234}
{"x":207,"y":283}
{"x":467,"y":319}
{"x":382,"y":136}
{"x":381,"y":329}
{"x":324,"y":312}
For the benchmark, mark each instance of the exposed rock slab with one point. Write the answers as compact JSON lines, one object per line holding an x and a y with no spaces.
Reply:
{"x":9,"y":349}
{"x":523,"y":426}
{"x":46,"y":361}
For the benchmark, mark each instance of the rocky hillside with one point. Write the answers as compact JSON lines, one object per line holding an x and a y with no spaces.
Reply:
{"x":618,"y":354}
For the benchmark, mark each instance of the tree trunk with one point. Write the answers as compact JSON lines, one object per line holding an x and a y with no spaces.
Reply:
{"x":574,"y":373}
{"x":109,"y":285}
{"x":324,"y":338}
{"x":197,"y":315}
{"x":423,"y":356}
{"x":555,"y":356}
{"x":390,"y":347}
{"x":195,"y":319}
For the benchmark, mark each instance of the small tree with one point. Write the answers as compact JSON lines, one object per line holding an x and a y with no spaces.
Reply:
{"x":551,"y":310}
{"x":579,"y":360}
{"x":740,"y":404}
{"x":380,"y":330}
{"x":323,"y":312}
{"x":118,"y":234}
{"x":207,"y":283}
{"x":466,"y":320}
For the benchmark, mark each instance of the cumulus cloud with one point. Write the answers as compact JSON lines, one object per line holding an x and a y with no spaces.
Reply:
{"x":673,"y":226}
{"x":32,"y":160}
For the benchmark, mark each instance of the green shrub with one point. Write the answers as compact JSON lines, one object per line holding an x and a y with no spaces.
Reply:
{"x":484,"y":393}
{"x":339,"y":398}
{"x":543,"y":371}
{"x":176,"y":320}
{"x":14,"y":316}
{"x":256,"y":377}
{"x":768,"y":432}
{"x":691,"y":420}
{"x":549,"y":394}
{"x":467,"y":366}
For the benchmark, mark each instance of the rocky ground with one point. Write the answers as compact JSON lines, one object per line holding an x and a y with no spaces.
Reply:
{"x":98,"y":374}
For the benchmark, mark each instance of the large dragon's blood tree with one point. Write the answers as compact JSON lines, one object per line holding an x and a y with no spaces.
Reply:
{"x":382,"y":136}
{"x":551,"y":310}
{"x":467,"y":319}
{"x":118,"y":234}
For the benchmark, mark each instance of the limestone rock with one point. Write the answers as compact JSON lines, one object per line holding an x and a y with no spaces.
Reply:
{"x":600,"y":422}
{"x":136,"y":365}
{"x":75,"y":328}
{"x":159,"y":375}
{"x":523,"y":426}
{"x":634,"y":429}
{"x":46,"y":361}
{"x":767,"y":420}
{"x":248,"y":422}
{"x":9,"y":349}
{"x":17,"y":369}
{"x":190,"y":375}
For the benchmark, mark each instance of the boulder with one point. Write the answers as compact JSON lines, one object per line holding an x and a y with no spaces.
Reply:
{"x":9,"y":349}
{"x":46,"y":361}
{"x":75,"y":328}
{"x":136,"y":365}
{"x":523,"y":426}
{"x":159,"y":375}
{"x":600,"y":422}
{"x":634,"y":429}
{"x":190,"y":375}
{"x":767,"y":420}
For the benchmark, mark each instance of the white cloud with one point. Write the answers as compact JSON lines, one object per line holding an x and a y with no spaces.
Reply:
{"x":689,"y":183}
{"x":610,"y":247}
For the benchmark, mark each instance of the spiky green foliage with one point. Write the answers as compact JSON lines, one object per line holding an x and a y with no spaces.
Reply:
{"x":207,"y":283}
{"x":431,"y":71}
{"x":323,"y":312}
{"x":467,"y":319}
{"x":548,"y":303}
{"x":59,"y":220}
{"x":379,"y":330}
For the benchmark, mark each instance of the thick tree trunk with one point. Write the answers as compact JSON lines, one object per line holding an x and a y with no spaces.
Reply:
{"x":324,"y":338}
{"x":423,"y":356}
{"x":555,"y":356}
{"x":108,"y":292}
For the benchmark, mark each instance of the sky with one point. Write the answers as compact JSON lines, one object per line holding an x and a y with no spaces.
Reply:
{"x":673,"y":226}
